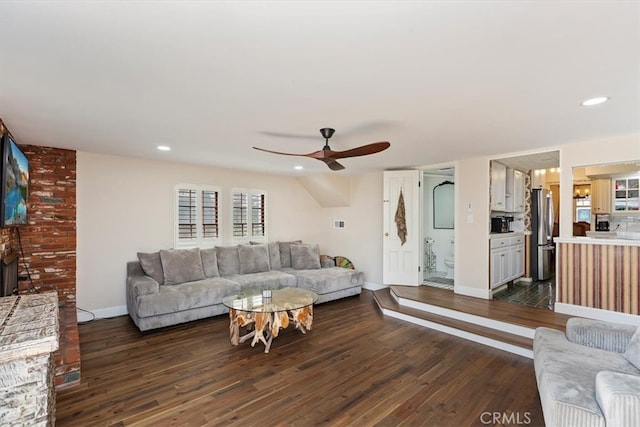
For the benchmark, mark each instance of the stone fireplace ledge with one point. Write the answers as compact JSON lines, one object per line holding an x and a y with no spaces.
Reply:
{"x":28,"y":325}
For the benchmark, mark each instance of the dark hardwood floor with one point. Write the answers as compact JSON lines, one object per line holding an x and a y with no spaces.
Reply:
{"x":354,"y":368}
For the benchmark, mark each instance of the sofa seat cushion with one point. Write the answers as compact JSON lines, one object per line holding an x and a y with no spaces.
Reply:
{"x":327,"y":280}
{"x":566,"y":375}
{"x":272,"y":279}
{"x":185,"y":296}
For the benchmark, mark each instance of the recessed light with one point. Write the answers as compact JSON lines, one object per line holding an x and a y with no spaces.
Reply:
{"x":164,"y":148}
{"x":594,"y":101}
{"x":298,"y":167}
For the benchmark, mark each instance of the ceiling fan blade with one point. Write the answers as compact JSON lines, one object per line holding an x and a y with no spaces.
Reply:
{"x":364,"y":150}
{"x":289,"y":135}
{"x":315,"y":154}
{"x":333,"y":164}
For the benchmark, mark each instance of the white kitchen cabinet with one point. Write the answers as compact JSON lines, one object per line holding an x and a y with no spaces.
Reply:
{"x":601,"y":195}
{"x":518,"y":191}
{"x":499,"y":267}
{"x":518,"y":261}
{"x":507,"y":188}
{"x":498,"y":186}
{"x":507,"y":259}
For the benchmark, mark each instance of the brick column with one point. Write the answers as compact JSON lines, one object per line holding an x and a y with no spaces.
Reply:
{"x":49,"y":244}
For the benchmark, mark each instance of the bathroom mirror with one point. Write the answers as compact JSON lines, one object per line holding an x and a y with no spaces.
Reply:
{"x":443,"y":205}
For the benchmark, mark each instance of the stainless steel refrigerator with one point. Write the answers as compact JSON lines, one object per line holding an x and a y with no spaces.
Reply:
{"x":542,"y":247}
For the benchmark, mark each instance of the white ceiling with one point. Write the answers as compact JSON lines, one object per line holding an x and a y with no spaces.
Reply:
{"x":439,"y":80}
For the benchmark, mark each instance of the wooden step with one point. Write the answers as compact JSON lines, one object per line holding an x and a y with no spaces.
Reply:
{"x":513,"y":343}
{"x":506,"y":315}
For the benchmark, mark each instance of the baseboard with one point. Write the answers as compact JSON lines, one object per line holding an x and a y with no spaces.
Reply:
{"x":597,"y":313}
{"x":373,"y":286}
{"x":102,"y":313}
{"x":472,"y":292}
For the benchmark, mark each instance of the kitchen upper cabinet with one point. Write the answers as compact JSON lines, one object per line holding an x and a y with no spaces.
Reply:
{"x":627,"y":194}
{"x":601,"y":195}
{"x":498,"y":186}
{"x":507,"y":188}
{"x":518,"y":191}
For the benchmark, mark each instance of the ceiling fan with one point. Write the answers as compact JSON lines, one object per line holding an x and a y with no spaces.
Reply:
{"x":328,"y":156}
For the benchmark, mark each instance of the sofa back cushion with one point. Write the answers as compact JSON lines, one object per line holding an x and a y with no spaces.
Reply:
{"x":632,"y":354}
{"x":152,"y":265}
{"x":253,"y":258}
{"x":209,"y":262}
{"x":228,"y":260}
{"x":305,"y":257}
{"x":181,"y":265}
{"x":274,"y":254}
{"x":285,"y":253}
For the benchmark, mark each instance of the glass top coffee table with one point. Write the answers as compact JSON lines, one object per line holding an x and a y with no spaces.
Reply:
{"x":265,"y":315}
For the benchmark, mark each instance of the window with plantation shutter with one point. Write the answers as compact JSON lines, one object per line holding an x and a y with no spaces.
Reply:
{"x":196,"y":216}
{"x":249,"y":213}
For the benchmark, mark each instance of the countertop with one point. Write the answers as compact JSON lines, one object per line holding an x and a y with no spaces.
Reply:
{"x":504,"y":235}
{"x":598,"y":241}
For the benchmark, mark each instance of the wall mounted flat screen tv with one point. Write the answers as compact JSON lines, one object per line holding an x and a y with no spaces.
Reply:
{"x":15,"y":184}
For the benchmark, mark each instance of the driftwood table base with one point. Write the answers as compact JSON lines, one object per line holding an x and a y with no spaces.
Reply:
{"x":266,"y":326}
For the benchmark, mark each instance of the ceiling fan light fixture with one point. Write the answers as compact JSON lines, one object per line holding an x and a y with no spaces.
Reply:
{"x":594,"y":101}
{"x":327,"y":132}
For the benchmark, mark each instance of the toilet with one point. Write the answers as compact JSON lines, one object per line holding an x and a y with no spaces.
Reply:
{"x":449,"y":261}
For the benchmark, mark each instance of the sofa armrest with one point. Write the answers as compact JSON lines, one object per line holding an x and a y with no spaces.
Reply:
{"x":139,"y":283}
{"x":599,"y":334}
{"x":144,"y":286}
{"x":618,"y":395}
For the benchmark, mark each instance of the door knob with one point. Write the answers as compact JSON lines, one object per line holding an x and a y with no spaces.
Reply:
{"x":386,"y":234}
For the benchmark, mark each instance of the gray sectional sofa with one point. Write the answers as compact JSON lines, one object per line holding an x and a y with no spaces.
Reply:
{"x":175,"y":286}
{"x":590,"y":375}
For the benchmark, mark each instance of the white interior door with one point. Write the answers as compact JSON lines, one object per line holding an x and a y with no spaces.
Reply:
{"x":402,"y":261}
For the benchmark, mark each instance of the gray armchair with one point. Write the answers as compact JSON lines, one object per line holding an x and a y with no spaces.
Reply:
{"x":590,"y":375}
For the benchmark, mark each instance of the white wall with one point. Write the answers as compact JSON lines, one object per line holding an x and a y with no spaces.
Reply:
{"x":126,"y":205}
{"x":361,"y":239}
{"x":472,"y":238}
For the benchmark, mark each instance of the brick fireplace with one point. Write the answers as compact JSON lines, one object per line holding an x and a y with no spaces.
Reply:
{"x":49,"y":245}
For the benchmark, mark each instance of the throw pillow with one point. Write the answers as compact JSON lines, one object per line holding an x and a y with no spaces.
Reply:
{"x":209,"y":262}
{"x":228,"y":260}
{"x":285,"y":253}
{"x":274,"y":254}
{"x":182,"y":265}
{"x":152,"y":266}
{"x":633,"y":350}
{"x":305,"y":257}
{"x":253,"y":259}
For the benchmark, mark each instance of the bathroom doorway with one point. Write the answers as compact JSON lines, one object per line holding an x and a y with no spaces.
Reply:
{"x":439,"y":214}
